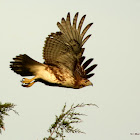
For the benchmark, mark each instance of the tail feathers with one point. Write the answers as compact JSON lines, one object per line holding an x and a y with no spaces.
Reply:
{"x":23,"y":64}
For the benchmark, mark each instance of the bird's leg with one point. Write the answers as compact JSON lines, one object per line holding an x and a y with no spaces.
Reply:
{"x":28,"y":85}
{"x":28,"y":82}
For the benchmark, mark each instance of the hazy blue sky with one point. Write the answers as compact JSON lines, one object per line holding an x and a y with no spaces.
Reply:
{"x":115,"y":46}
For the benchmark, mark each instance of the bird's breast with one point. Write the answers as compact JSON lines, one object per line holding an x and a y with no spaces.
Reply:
{"x":57,"y":75}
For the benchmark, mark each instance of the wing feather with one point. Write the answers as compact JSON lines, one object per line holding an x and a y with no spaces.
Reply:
{"x":75,"y":20}
{"x":90,"y":69}
{"x":85,"y":29}
{"x":70,"y":29}
{"x":82,"y":59}
{"x":63,"y":31}
{"x":84,"y":41}
{"x":75,"y":33}
{"x":81,"y":23}
{"x":64,"y":48}
{"x":87,"y":62}
{"x":90,"y":75}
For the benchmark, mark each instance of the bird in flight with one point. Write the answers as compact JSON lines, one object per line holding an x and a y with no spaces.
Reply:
{"x":63,"y":58}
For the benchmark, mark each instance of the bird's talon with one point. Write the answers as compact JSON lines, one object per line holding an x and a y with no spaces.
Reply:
{"x":26,"y":80}
{"x":22,"y":80}
{"x":27,"y":84}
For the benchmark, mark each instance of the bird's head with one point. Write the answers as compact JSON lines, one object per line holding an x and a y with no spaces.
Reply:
{"x":83,"y":83}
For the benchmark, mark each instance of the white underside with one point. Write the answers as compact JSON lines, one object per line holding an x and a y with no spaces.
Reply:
{"x":48,"y":76}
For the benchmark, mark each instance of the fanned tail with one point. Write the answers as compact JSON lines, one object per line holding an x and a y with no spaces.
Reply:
{"x":24,"y":65}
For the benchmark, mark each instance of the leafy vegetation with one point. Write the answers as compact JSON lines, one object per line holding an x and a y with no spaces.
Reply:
{"x":63,"y":122}
{"x":4,"y":109}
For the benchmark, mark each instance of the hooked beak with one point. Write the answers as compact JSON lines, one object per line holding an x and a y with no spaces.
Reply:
{"x":89,"y":83}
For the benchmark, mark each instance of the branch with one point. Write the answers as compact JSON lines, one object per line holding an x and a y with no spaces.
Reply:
{"x":4,"y":109}
{"x":64,"y":122}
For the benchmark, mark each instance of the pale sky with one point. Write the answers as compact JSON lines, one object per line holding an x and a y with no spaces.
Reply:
{"x":115,"y":47}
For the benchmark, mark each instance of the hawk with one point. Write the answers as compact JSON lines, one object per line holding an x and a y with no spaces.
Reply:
{"x":63,"y":55}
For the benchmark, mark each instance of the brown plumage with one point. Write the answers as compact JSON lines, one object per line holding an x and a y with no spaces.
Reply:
{"x":62,"y":53}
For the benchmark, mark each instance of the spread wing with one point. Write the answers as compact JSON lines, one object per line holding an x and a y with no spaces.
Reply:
{"x":64,"y":48}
